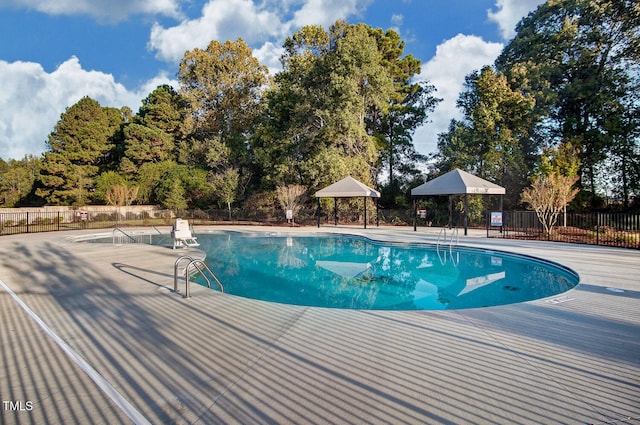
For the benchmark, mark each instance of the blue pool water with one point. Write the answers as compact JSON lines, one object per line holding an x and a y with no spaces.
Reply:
{"x":351,"y":272}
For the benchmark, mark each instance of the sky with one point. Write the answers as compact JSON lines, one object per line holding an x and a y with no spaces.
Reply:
{"x":54,"y":52}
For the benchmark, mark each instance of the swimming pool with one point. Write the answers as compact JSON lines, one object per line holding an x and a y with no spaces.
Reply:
{"x":351,"y":272}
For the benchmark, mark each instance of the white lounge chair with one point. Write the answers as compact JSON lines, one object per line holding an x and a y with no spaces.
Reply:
{"x":181,"y":234}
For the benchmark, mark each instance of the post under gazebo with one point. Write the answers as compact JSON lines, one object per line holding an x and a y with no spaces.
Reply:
{"x":348,"y":188}
{"x":456,"y":182}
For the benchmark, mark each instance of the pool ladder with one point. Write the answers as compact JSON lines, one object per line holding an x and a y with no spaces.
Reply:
{"x":442,"y":244}
{"x":200,"y":266}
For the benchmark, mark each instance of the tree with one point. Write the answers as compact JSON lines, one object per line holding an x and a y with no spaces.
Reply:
{"x":408,"y":108}
{"x":79,"y":148}
{"x":121,"y":194}
{"x":316,"y":128}
{"x":493,"y":139}
{"x":225,"y":186}
{"x":150,"y":177}
{"x":455,"y":149}
{"x":154,"y":133}
{"x":172,"y":195}
{"x":104,"y":182}
{"x":580,"y":59}
{"x":397,"y":127}
{"x":291,"y":198}
{"x":222,"y":86}
{"x":548,"y":195}
{"x":17,"y":178}
{"x":182,"y":186}
{"x":623,"y":161}
{"x":164,"y":109}
{"x":143,"y":145}
{"x":561,"y":161}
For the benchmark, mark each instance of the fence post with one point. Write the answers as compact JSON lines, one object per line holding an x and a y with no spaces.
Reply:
{"x":597,"y":228}
{"x":27,"y":221}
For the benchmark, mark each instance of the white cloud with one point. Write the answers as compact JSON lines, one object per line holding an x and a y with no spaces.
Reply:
{"x":397,"y":19}
{"x":103,"y":10}
{"x":269,"y":55}
{"x":454,"y":60}
{"x":260,"y":24}
{"x":509,"y":13}
{"x":221,"y":20}
{"x":32,"y":100}
{"x":326,"y":12}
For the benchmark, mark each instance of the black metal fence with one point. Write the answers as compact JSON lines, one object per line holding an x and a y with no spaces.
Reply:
{"x":48,"y":221}
{"x":611,"y":229}
{"x":594,"y":228}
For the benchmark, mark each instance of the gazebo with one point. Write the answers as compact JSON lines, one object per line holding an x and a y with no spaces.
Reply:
{"x":348,"y":188}
{"x":456,"y":182}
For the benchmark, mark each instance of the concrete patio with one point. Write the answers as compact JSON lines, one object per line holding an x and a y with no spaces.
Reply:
{"x":115,"y":345}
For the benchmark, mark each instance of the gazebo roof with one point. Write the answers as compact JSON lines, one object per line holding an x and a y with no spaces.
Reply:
{"x":457,"y":182}
{"x":347,"y":188}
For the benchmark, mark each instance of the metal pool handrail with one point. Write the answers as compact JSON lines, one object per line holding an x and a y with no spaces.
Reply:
{"x":134,"y":237}
{"x":201,"y":266}
{"x":442,"y":236}
{"x":117,"y":229}
{"x":454,"y":233}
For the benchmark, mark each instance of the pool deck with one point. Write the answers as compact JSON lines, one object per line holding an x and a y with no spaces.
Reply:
{"x":93,"y":333}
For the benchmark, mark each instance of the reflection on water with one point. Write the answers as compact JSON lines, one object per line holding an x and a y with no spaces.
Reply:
{"x":480,"y":281}
{"x":351,"y":272}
